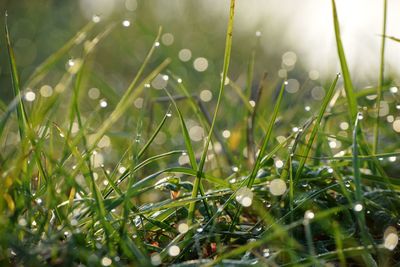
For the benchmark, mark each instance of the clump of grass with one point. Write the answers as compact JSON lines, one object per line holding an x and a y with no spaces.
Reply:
{"x":93,"y":188}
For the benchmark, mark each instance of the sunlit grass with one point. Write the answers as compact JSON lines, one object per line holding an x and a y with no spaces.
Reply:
{"x":92,"y":177}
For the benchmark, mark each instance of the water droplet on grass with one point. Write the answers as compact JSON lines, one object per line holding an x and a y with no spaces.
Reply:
{"x":226,"y":133}
{"x":391,"y":238}
{"x":183,"y":228}
{"x":126,"y":23}
{"x":394,"y":90}
{"x":30,"y":96}
{"x":244,"y":196}
{"x":155,"y":259}
{"x":309,"y":215}
{"x":200,"y":64}
{"x":278,"y":163}
{"x":46,"y":91}
{"x":174,"y":251}
{"x":358,"y":207}
{"x":105,"y":261}
{"x":103,"y":103}
{"x":96,"y":18}
{"x":277,"y":187}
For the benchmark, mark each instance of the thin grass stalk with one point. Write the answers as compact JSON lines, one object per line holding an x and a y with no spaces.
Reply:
{"x":228,"y":46}
{"x":314,"y":131}
{"x":381,"y":81}
{"x":360,"y":214}
{"x":348,"y":85}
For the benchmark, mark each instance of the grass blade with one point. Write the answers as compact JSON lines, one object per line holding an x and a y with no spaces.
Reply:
{"x":348,"y":85}
{"x":43,"y":68}
{"x":267,"y":136}
{"x":21,"y":115}
{"x":381,"y":81}
{"x":360,"y":214}
{"x":314,"y":130}
{"x":227,"y":55}
{"x":185,"y":132}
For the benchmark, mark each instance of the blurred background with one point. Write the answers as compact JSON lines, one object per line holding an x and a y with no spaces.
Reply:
{"x":292,"y":40}
{"x":304,"y":28}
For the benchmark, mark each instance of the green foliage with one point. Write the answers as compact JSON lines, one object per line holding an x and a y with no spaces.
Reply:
{"x":124,"y":180}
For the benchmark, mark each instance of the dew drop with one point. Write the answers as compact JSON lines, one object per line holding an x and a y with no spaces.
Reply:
{"x":277,"y":187}
{"x":244,"y":196}
{"x":266,"y":253}
{"x":183,"y":228}
{"x":226,"y":133}
{"x":391,"y":238}
{"x":30,"y":96}
{"x":174,"y":251}
{"x":358,"y":207}
{"x":105,"y":261}
{"x":155,"y":259}
{"x":279,"y":163}
{"x":126,"y":23}
{"x":103,"y":103}
{"x":394,"y":90}
{"x":309,"y":215}
{"x":96,"y":19}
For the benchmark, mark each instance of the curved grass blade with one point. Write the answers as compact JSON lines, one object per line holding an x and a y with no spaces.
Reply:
{"x":153,"y":136}
{"x":189,"y":148}
{"x":185,"y":132}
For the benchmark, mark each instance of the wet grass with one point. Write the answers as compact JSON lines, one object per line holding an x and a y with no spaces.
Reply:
{"x":92,"y":185}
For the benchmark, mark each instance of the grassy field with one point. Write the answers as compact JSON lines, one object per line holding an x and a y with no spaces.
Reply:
{"x":259,"y":170}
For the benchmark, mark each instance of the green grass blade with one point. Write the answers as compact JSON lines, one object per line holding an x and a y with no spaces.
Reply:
{"x":153,"y":136}
{"x":381,"y":81}
{"x":227,"y":55}
{"x":267,"y":137}
{"x":185,"y":132}
{"x":21,"y":115}
{"x":43,"y":68}
{"x":314,"y":131}
{"x":360,"y":214}
{"x":263,"y":148}
{"x":348,"y":85}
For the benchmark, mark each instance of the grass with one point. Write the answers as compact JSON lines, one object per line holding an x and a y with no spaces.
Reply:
{"x":86,"y":184}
